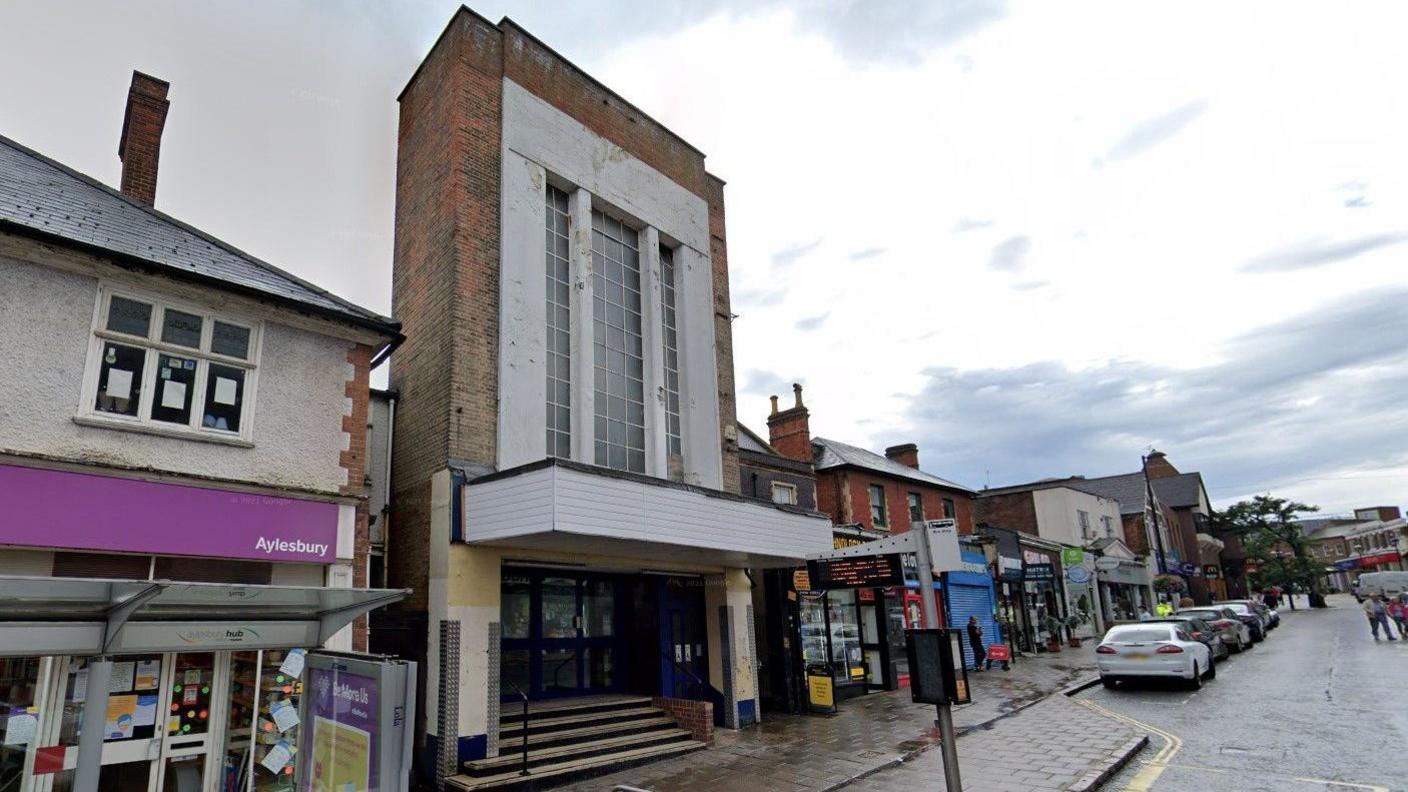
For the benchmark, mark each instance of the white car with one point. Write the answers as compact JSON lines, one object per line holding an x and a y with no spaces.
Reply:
{"x":1152,"y":650}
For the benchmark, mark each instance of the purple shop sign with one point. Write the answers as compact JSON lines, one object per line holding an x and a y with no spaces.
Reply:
{"x":82,"y":511}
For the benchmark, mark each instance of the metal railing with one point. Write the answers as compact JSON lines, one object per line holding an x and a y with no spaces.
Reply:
{"x":699,"y":686}
{"x":524,"y":698}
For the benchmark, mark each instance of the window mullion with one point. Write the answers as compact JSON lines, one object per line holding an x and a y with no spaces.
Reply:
{"x":148,"y":385}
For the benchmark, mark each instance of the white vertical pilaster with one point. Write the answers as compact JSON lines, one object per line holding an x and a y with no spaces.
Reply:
{"x":653,"y":352}
{"x":583,"y":374}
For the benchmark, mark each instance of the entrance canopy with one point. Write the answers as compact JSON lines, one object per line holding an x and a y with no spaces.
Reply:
{"x":87,"y":617}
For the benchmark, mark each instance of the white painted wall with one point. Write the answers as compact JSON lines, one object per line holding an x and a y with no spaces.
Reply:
{"x":1058,"y":521}
{"x":540,"y":143}
{"x":46,"y":318}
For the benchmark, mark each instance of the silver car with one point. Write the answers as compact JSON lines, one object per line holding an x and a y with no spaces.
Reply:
{"x":1236,"y":635}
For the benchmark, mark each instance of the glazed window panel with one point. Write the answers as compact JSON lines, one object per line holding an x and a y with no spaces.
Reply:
{"x":559,"y":329}
{"x":170,"y":367}
{"x":670,"y":335}
{"x":877,"y":505}
{"x":618,"y":357}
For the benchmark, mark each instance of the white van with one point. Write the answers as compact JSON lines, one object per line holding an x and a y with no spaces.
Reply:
{"x":1389,"y":584}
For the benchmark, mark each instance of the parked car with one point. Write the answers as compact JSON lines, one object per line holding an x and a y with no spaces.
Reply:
{"x":1269,"y":618}
{"x":1249,"y":617}
{"x":1201,"y":631}
{"x":1233,"y":632}
{"x":1152,"y":650}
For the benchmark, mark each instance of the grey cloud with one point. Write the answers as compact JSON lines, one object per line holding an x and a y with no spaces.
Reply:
{"x":1030,"y":285}
{"x":757,"y":298}
{"x":1009,"y":255}
{"x":860,"y":255}
{"x":762,"y":383}
{"x":1319,"y":252}
{"x":1150,"y":132}
{"x":876,"y":30}
{"x":968,"y":224}
{"x":812,"y":322}
{"x":786,"y":257}
{"x":1291,"y":400}
{"x":897,"y":30}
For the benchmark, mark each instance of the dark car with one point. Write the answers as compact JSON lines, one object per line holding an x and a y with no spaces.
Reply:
{"x":1202,"y":632}
{"x":1236,"y":634}
{"x":1249,"y":617}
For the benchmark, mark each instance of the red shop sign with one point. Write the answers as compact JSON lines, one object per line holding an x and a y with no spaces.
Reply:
{"x":1379,"y":558}
{"x":999,"y":652}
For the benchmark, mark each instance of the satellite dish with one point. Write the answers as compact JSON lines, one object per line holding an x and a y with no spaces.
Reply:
{"x":1107,"y":563}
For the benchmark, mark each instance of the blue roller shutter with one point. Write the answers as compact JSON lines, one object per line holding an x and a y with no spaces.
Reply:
{"x":965,"y":601}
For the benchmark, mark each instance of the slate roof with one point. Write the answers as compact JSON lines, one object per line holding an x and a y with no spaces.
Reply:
{"x":831,"y":454}
{"x":43,"y":198}
{"x":1127,"y":488}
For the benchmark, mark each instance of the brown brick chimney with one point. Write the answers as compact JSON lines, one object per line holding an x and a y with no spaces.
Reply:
{"x":140,"y":146}
{"x":789,"y":431}
{"x":1158,"y":466}
{"x":906,"y":454}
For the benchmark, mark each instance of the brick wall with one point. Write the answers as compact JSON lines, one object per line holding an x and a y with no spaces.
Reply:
{"x":354,"y":461}
{"x":696,"y":717}
{"x":1015,"y":511}
{"x":844,"y":493}
{"x":756,"y":478}
{"x":1136,"y":534}
{"x":723,"y":333}
{"x":445,"y":280}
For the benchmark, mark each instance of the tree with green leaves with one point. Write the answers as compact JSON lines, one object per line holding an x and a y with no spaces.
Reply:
{"x":1268,"y":530}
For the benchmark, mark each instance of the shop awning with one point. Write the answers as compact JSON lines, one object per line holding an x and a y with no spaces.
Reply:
{"x":87,"y":617}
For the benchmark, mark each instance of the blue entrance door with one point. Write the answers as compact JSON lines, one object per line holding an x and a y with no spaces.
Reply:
{"x":559,"y":634}
{"x":684,"y":663}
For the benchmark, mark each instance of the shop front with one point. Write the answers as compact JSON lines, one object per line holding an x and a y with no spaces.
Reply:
{"x":188,"y":687}
{"x":1011,"y":596}
{"x":1041,"y":585}
{"x":970,"y":593}
{"x":1126,"y":586}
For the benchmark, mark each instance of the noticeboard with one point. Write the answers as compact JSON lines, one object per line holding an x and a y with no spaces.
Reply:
{"x":856,"y":572}
{"x":937,"y":672}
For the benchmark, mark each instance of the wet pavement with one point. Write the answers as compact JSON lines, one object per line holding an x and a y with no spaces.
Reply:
{"x":871,"y":732}
{"x":1317,"y":707}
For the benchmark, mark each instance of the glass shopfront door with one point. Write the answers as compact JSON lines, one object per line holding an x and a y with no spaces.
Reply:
{"x":560,"y":634}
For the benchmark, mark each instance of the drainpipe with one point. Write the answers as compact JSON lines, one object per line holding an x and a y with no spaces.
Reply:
{"x":386,"y":507}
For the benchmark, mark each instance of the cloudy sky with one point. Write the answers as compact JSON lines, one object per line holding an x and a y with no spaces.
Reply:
{"x":1035,"y":238}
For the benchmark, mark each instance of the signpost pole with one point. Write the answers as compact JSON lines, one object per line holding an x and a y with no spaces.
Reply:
{"x":948,"y":742}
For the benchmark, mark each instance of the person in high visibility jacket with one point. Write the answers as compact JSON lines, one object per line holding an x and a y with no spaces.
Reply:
{"x":1164,"y":609}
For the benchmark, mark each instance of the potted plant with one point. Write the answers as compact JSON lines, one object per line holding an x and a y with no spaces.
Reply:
{"x":1072,"y":622}
{"x":1053,"y":634}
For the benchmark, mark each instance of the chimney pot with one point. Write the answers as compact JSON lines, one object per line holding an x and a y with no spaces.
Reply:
{"x":774,"y":404}
{"x":797,"y":393}
{"x":139,"y":149}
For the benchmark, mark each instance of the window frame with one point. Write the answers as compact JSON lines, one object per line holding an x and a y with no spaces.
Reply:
{"x":879,"y":513}
{"x":153,"y":348}
{"x":602,"y":218}
{"x":950,"y":509}
{"x":1083,"y":521}
{"x":791,"y":489}
{"x":915,"y":499}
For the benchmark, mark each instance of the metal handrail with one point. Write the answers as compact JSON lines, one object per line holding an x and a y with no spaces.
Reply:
{"x":557,"y":670}
{"x":524,"y":697}
{"x":698,"y":682}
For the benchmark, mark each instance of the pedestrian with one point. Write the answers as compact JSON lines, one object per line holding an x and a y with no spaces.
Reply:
{"x":1398,"y":613}
{"x":1377,"y":612}
{"x":975,"y":637}
{"x":1144,"y":614}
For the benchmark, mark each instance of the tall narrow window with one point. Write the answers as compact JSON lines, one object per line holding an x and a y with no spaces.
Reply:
{"x":877,"y":505}
{"x":618,"y":362}
{"x":672,"y":351}
{"x":559,"y":332}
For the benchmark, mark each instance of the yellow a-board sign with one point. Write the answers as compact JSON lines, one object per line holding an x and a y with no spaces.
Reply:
{"x":820,"y":692}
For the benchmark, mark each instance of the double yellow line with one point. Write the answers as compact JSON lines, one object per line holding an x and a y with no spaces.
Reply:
{"x":1144,"y":780}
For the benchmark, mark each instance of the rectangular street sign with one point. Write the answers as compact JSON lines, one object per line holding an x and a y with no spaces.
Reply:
{"x":938,"y":674}
{"x":856,"y":572}
{"x":943,"y":545}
